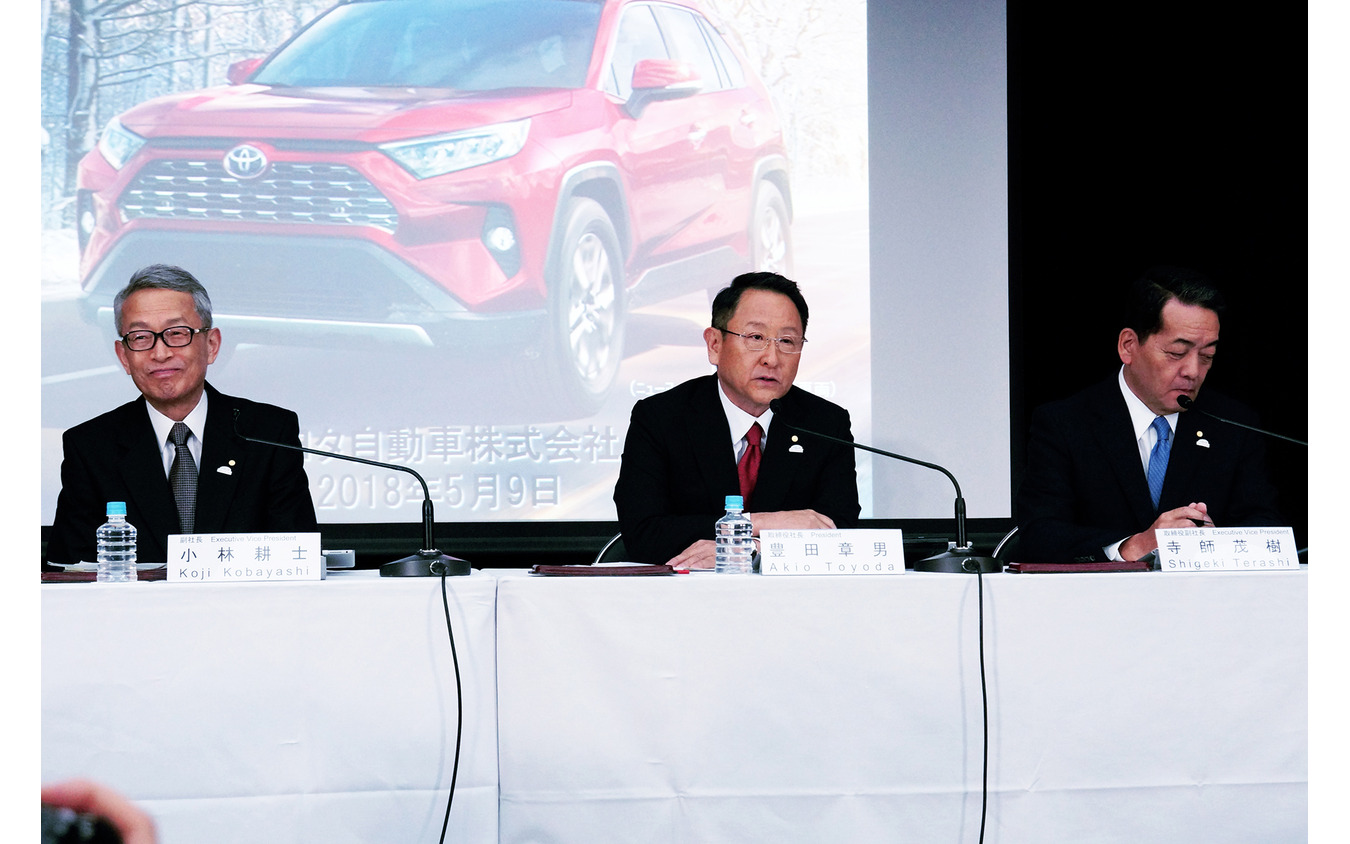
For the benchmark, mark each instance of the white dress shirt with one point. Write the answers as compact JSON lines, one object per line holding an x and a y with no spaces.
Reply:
{"x":1141,"y":419}
{"x":739,"y":422}
{"x":196,"y":422}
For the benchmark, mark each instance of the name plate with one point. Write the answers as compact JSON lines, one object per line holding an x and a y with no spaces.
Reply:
{"x":237,"y":557}
{"x":832,"y":552}
{"x":1226,"y":549}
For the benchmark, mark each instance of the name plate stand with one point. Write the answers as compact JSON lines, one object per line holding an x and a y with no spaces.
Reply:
{"x":238,"y":557}
{"x":1226,"y":549}
{"x":869,"y":551}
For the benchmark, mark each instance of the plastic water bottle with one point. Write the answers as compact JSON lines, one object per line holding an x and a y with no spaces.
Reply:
{"x":116,"y":547}
{"x":735,"y":545}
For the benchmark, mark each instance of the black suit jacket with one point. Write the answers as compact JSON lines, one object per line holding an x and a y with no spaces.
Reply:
{"x":115,"y":457}
{"x":1084,"y":487}
{"x":678,"y":468}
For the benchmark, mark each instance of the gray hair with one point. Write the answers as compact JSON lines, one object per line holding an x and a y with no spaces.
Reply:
{"x":164,"y":277}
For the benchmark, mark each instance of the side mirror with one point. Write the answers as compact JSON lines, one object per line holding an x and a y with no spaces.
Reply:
{"x":240,"y":71}
{"x":661,"y":79}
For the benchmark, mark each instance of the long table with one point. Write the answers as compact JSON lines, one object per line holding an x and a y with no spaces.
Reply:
{"x":252,"y":712}
{"x":1123,"y":707}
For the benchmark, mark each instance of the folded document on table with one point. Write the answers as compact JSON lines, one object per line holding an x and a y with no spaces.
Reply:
{"x":1052,"y":568}
{"x":603,"y":570}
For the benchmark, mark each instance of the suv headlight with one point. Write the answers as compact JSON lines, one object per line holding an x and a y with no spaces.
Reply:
{"x":441,"y":154}
{"x":118,"y":143}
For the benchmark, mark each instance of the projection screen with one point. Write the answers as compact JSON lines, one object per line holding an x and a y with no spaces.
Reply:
{"x":466,"y":235}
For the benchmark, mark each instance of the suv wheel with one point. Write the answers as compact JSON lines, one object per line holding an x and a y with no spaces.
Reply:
{"x":586,"y":317}
{"x":770,"y":231}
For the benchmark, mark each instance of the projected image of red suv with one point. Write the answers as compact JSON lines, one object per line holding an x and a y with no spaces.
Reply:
{"x":510,"y":176}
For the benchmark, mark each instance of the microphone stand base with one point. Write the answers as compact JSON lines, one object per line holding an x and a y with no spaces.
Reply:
{"x":959,"y":561}
{"x":426,"y":564}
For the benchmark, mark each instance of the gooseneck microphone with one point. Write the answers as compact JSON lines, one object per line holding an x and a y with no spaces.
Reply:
{"x":1187,"y":403}
{"x":959,"y":558}
{"x":428,"y":562}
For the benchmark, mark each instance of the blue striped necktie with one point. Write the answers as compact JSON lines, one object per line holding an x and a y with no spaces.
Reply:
{"x":1157,"y":461}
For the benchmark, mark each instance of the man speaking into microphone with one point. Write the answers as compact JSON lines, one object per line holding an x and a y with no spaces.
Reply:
{"x":693,"y":445}
{"x":1110,"y":466}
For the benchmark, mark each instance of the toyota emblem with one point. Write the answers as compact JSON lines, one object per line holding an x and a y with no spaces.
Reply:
{"x":245,"y":162}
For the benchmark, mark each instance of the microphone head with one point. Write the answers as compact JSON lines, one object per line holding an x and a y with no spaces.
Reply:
{"x":775,"y":405}
{"x":1185,"y":401}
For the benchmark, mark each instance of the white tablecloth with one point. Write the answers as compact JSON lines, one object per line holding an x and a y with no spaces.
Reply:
{"x":272,"y":712}
{"x":705,"y":708}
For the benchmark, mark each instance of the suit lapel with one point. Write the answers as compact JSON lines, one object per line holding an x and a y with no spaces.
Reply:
{"x":220,"y":449}
{"x":142,"y":469}
{"x":778,"y":467}
{"x":710,"y":437}
{"x":1184,"y":461}
{"x":1115,"y":436}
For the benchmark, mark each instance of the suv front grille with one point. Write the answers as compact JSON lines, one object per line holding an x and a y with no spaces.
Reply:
{"x":289,"y":192}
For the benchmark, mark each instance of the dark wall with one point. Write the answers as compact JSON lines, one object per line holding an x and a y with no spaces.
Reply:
{"x":1161,"y":133}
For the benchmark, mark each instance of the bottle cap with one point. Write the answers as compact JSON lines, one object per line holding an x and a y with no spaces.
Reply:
{"x":735,"y":501}
{"x":117,"y":508}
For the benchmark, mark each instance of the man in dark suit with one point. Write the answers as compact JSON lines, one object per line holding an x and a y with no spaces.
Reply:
{"x":690,"y":447}
{"x":171,"y":455}
{"x":1110,"y":466}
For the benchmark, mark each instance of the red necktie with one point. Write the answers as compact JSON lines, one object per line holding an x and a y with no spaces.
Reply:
{"x":748,"y":467}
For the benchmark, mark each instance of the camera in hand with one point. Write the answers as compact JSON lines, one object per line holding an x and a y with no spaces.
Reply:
{"x":66,"y":826}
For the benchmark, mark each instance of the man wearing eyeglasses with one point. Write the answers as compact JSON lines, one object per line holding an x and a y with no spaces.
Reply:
{"x":693,"y":445}
{"x":171,"y":455}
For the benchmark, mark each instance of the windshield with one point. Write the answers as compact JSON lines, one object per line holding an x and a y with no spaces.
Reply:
{"x":469,"y":45}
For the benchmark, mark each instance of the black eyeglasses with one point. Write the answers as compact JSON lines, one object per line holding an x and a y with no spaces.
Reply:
{"x":175,"y":337}
{"x":756,"y":342}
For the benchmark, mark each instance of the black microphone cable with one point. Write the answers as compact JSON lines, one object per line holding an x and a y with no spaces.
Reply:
{"x":984,"y":703}
{"x":459,"y":708}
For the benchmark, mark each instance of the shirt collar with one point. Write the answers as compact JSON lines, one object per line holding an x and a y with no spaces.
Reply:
{"x":1140,"y":416}
{"x":739,"y":421}
{"x":195,"y":420}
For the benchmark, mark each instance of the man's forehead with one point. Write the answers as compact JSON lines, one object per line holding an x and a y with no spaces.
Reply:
{"x":1182,"y":323}
{"x":157,"y":304}
{"x":155,"y":317}
{"x":790,"y":326}
{"x":1190,"y":341}
{"x":759,"y":307}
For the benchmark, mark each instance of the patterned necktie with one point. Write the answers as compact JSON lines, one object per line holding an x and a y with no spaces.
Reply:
{"x":1157,"y":461}
{"x":183,"y":477}
{"x":747,"y":470}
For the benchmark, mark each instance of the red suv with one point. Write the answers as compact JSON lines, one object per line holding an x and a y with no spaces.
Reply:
{"x":508,"y":175}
